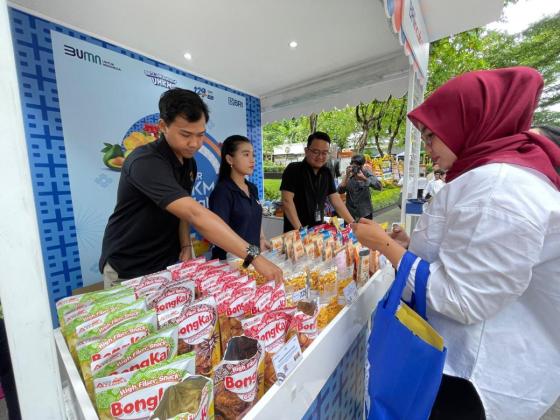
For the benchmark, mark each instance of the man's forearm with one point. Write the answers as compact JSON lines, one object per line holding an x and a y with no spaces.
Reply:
{"x":341,"y":208}
{"x":209,"y":225}
{"x":291,"y":213}
{"x":184,"y":233}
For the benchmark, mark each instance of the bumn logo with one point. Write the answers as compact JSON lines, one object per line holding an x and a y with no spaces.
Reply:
{"x":82,"y":54}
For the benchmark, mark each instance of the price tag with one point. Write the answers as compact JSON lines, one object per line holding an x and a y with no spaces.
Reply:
{"x":299,"y":295}
{"x":350,"y":293}
{"x":286,"y":359}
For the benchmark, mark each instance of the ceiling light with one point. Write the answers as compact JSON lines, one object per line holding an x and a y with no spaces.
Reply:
{"x":293,"y":44}
{"x":188,"y":56}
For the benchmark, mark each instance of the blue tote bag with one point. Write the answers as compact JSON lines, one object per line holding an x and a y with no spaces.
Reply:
{"x":405,"y":355}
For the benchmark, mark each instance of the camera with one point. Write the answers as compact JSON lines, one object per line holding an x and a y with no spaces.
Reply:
{"x":355,"y":170}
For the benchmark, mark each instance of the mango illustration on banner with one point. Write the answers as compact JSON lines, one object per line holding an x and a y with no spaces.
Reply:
{"x":115,"y":154}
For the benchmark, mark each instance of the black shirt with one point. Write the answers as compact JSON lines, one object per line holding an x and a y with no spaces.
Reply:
{"x":310,"y":191}
{"x":141,"y":237}
{"x":241,"y":212}
{"x":358,"y":198}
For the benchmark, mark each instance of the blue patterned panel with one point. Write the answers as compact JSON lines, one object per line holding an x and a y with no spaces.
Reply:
{"x":46,"y":149}
{"x":342,"y":397}
{"x":47,"y":155}
{"x":254,"y":132}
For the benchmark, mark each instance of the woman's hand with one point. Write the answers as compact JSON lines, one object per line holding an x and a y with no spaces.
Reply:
{"x":373,"y":236}
{"x":370,"y":234}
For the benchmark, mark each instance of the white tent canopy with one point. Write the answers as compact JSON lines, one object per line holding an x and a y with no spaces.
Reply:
{"x":347,"y":53}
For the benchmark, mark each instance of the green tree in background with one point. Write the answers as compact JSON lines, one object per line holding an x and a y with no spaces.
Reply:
{"x":538,"y":47}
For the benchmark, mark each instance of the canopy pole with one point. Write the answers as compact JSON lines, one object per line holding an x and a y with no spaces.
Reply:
{"x":415,"y":97}
{"x":23,"y":289}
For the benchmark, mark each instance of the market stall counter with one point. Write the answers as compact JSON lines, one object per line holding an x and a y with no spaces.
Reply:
{"x":239,"y":346}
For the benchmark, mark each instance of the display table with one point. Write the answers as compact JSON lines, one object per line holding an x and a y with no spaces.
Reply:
{"x":329,"y":379}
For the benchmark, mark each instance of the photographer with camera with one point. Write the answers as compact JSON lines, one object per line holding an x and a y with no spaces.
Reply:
{"x":356,"y":184}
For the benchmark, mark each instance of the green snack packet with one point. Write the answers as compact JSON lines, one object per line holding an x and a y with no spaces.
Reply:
{"x":92,"y":352}
{"x":71,"y":303}
{"x":136,"y":394}
{"x":148,"y":351}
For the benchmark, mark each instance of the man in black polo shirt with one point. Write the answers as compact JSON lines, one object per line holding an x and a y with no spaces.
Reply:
{"x":149,"y":227}
{"x":306,"y":185}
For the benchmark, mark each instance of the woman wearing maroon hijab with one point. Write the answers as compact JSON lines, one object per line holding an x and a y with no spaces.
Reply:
{"x":492,"y":239}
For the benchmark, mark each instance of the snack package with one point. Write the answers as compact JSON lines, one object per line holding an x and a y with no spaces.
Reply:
{"x":318,"y":242}
{"x":71,"y":303}
{"x":190,"y":399}
{"x":198,"y":332}
{"x":123,"y":295}
{"x":278,"y":299}
{"x":93,"y":315}
{"x":323,"y":281}
{"x":145,"y":285}
{"x":268,"y":297}
{"x":270,"y":329}
{"x":344,"y":278}
{"x":328,"y":252}
{"x":234,"y":282}
{"x":304,"y":323}
{"x":295,"y":284}
{"x":135,"y":395}
{"x":175,"y":268}
{"x":298,"y":250}
{"x":231,"y":309}
{"x":93,"y":351}
{"x":362,"y":273}
{"x":277,"y":244}
{"x":327,"y":312}
{"x":171,"y":295}
{"x":238,"y":379}
{"x":150,"y":350}
{"x":99,"y":325}
{"x":206,"y":277}
{"x":212,"y":282}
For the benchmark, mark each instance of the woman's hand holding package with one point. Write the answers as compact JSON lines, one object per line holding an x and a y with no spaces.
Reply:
{"x":374,"y":237}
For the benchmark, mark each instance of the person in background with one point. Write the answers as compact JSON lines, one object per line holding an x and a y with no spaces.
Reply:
{"x":149,"y":228}
{"x":235,"y":199}
{"x":356,"y":184}
{"x":435,"y":185}
{"x":431,"y":174}
{"x":422,"y":184}
{"x":307,"y":184}
{"x":492,"y":241}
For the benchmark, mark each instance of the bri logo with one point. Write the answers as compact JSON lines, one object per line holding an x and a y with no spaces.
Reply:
{"x":235,"y":102}
{"x":82,"y":54}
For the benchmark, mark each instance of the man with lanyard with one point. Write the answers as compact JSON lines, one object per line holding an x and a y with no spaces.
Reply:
{"x":149,"y":228}
{"x":306,"y":185}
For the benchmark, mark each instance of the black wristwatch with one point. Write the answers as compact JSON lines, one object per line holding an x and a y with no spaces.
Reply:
{"x":253,"y":252}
